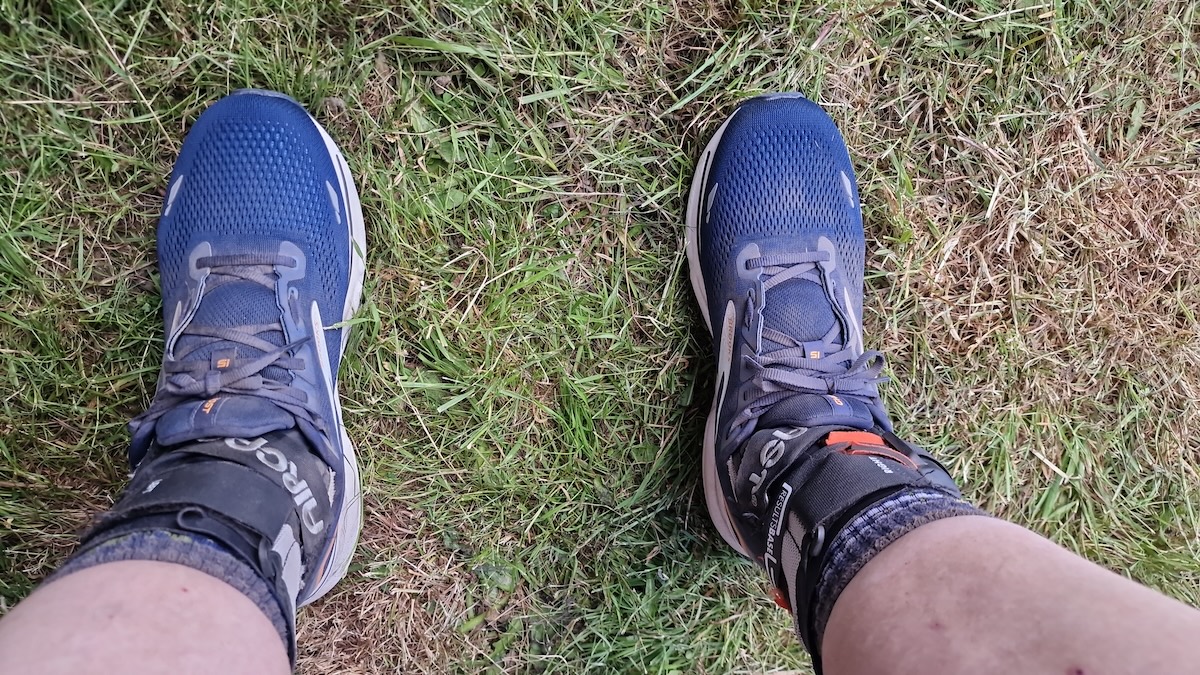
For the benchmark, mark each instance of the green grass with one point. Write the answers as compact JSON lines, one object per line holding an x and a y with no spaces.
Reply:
{"x":527,"y":380}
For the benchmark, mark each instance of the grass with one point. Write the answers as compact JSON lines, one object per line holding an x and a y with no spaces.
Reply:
{"x":527,"y":380}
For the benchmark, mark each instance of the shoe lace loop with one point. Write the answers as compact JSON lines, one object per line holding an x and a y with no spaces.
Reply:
{"x":198,"y":378}
{"x":779,"y":374}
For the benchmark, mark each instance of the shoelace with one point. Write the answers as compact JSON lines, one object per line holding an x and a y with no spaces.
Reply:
{"x":782,"y":373}
{"x":188,"y":380}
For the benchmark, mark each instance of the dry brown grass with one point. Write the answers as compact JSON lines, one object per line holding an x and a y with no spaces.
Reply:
{"x":1041,"y":279}
{"x":401,"y":612}
{"x":1031,"y":186}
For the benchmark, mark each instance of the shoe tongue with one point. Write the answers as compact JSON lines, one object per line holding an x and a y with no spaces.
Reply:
{"x":222,"y":416}
{"x":236,"y":305}
{"x":808,"y":326}
{"x":818,"y":410}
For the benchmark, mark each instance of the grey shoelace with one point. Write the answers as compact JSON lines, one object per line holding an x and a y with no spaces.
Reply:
{"x":190,"y":379}
{"x":782,"y":373}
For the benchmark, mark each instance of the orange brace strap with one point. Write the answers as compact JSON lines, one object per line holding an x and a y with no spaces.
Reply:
{"x":866,"y":443}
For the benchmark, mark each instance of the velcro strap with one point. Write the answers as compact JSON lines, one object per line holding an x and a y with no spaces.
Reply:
{"x":839,"y":481}
{"x":231,"y":490}
{"x":933,"y":470}
{"x":865,"y":443}
{"x":883,"y":452}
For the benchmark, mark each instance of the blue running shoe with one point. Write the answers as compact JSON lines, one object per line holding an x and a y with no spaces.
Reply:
{"x":775,"y":245}
{"x":798,"y":447}
{"x":261,"y":257}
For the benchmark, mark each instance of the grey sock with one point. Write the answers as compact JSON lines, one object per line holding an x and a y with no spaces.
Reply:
{"x":190,"y":550}
{"x":868,"y":533}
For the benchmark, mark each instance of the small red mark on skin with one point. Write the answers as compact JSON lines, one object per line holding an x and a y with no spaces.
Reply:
{"x":936,"y":625}
{"x":183,"y":589}
{"x":1075,"y":671}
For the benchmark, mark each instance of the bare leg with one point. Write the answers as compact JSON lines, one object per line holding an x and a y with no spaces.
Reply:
{"x":245,"y":502}
{"x":978,"y":595}
{"x":139,"y":617}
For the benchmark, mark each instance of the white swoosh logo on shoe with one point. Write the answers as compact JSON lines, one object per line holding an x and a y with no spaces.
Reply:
{"x":712,"y":196}
{"x":172,"y":195}
{"x":855,"y":340}
{"x":176,"y":323}
{"x":725,"y":358}
{"x":318,"y":333}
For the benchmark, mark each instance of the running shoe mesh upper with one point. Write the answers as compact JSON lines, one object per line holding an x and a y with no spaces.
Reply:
{"x":768,"y":187}
{"x":250,"y":175}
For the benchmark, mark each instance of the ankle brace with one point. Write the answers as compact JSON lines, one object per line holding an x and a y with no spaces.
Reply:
{"x":816,"y":582}
{"x":844,"y":496}
{"x":265,"y":503}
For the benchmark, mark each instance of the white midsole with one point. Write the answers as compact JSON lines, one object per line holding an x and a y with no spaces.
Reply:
{"x":714,"y":495}
{"x":345,"y":538}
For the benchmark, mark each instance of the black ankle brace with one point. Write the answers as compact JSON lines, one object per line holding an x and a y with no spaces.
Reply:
{"x":258,"y":499}
{"x":844,"y":496}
